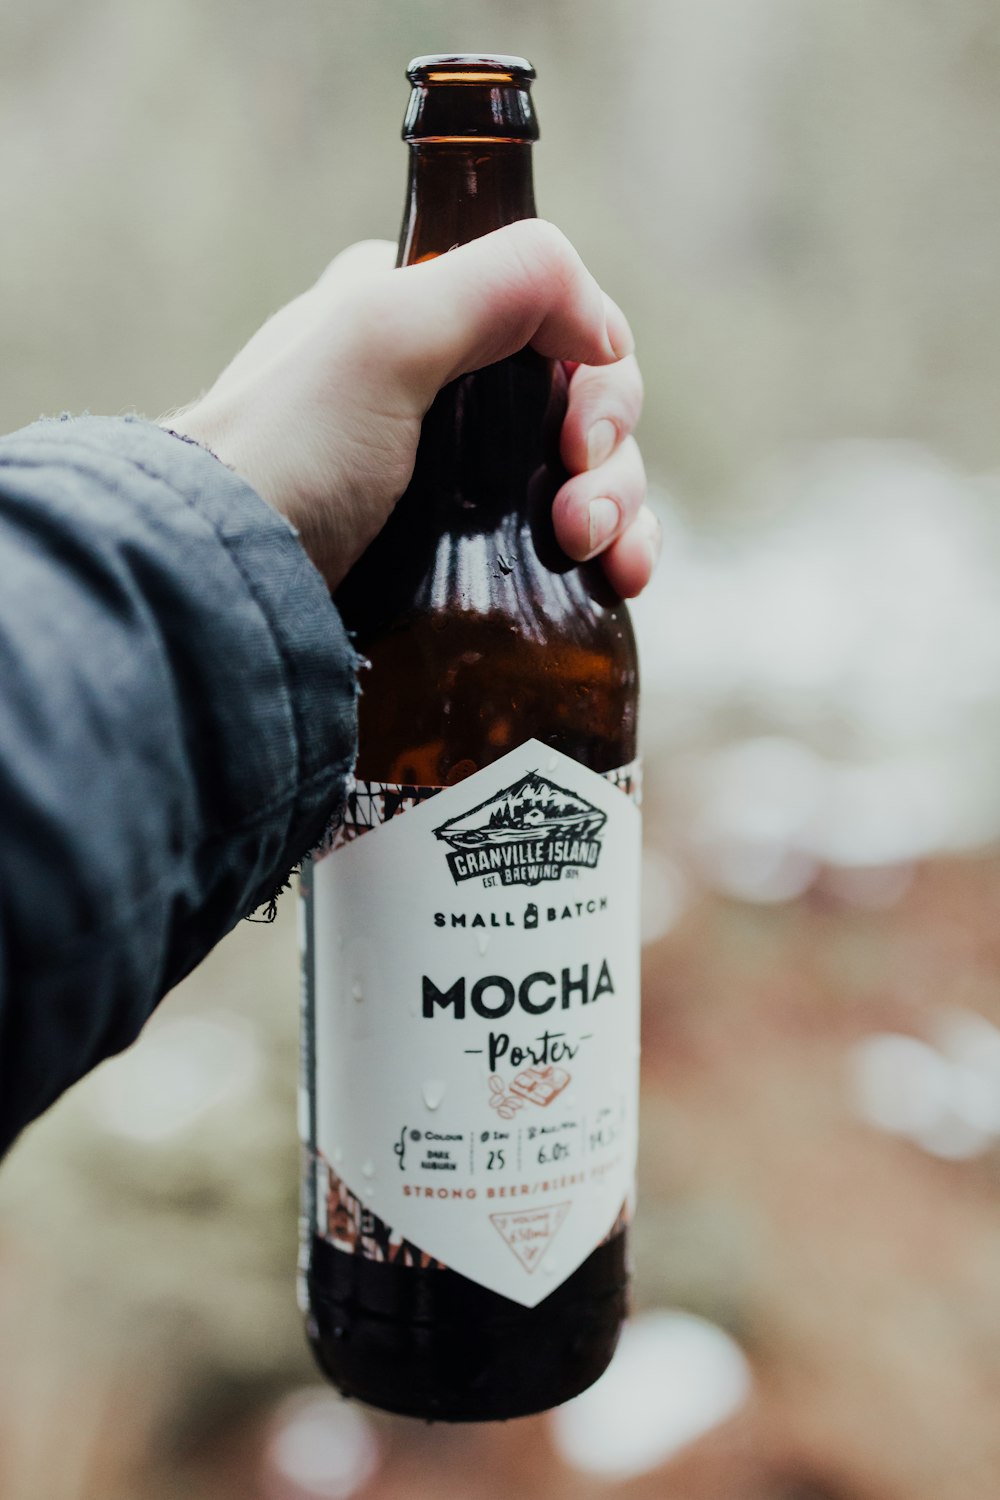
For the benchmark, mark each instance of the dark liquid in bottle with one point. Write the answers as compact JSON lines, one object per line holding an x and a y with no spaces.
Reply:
{"x":481,"y":635}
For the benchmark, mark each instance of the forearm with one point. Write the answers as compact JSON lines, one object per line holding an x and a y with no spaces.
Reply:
{"x":176,"y":725}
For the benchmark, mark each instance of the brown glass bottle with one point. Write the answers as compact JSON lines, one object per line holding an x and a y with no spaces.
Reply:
{"x":481,"y":635}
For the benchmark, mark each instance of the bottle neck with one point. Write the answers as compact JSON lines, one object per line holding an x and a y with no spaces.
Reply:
{"x":459,"y":190}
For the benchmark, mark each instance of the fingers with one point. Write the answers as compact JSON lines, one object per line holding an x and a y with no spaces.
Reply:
{"x":629,"y":562}
{"x":598,"y":505}
{"x":600,"y":509}
{"x":358,"y":263}
{"x":524,"y":284}
{"x":604,"y":407}
{"x":350,"y":269}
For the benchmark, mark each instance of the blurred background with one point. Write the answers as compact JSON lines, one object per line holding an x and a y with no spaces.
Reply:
{"x":797,"y":204}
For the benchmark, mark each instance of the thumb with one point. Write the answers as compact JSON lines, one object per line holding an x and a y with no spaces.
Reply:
{"x":524,"y":284}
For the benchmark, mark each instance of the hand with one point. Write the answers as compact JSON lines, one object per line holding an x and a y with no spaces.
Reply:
{"x":321,"y":410}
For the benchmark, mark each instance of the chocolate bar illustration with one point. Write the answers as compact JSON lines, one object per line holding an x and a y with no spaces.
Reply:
{"x":540,"y":1085}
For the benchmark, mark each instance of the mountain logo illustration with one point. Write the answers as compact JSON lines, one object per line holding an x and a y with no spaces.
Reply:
{"x":526,"y":833}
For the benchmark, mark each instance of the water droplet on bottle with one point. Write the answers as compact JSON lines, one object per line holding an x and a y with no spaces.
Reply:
{"x":338,"y":1156}
{"x":368,"y":1170}
{"x":357,"y":990}
{"x":433,"y":1092}
{"x":549,"y":1266}
{"x":553,"y":762}
{"x":482,"y":943}
{"x":340,"y":939}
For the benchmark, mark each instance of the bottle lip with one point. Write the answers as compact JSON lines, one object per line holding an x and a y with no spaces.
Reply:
{"x":470,"y":67}
{"x":467,"y":97}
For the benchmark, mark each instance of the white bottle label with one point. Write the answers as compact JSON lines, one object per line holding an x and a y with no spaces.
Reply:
{"x":474,"y":977}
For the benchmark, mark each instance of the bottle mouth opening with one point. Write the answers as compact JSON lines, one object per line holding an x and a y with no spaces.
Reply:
{"x":466,"y":97}
{"x":470,"y":68}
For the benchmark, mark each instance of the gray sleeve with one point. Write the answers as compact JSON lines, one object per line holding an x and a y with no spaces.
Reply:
{"x":177,"y":723}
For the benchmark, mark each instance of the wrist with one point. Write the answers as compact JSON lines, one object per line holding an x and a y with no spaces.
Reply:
{"x":173,"y":426}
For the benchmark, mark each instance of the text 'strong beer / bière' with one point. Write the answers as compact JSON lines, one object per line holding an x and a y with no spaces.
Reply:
{"x":470,"y":945}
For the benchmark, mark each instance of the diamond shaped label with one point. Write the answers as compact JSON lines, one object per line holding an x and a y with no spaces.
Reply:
{"x":530,"y":1231}
{"x":452,"y":1000}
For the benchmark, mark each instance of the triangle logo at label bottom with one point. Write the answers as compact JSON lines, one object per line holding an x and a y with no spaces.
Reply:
{"x":530,"y":1231}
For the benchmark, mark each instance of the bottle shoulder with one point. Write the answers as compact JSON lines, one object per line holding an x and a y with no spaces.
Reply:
{"x":493,"y":584}
{"x":480,"y":632}
{"x":458,"y":682}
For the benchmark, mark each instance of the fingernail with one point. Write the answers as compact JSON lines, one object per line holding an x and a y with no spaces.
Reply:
{"x":604,"y":516}
{"x":601,"y":440}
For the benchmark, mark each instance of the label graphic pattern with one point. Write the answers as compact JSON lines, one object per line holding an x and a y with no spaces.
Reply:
{"x":528,"y":832}
{"x":492,"y":1014}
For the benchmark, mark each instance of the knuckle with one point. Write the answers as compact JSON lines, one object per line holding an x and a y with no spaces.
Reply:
{"x":632,"y":480}
{"x":631,"y":378}
{"x":354,"y":322}
{"x":363,"y":255}
{"x":542,"y":248}
{"x":632,"y":462}
{"x":547,"y":237}
{"x":569,"y":498}
{"x":649,"y":523}
{"x":624,"y":382}
{"x":611,"y":391}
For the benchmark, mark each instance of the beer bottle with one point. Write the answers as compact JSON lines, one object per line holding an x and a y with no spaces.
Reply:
{"x":470,"y":927}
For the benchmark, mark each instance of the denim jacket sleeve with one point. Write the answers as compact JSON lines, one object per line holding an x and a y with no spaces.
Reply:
{"x":177,"y":723}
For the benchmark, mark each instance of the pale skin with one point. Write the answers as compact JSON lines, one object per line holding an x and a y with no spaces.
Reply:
{"x":320,"y":412}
